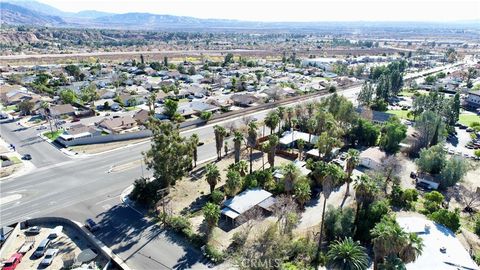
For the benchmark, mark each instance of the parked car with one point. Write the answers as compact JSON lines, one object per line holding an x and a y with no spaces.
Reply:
{"x":42,"y":247}
{"x":26,"y":247}
{"x":91,"y":225}
{"x":41,"y":128}
{"x":76,"y":120}
{"x":49,"y":256}
{"x":27,"y":157}
{"x":12,"y":262}
{"x":55,"y":232}
{"x":33,"y":230}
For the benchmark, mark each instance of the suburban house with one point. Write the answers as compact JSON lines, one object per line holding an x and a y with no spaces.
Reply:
{"x":442,"y":249}
{"x":13,"y":94}
{"x":372,"y":158}
{"x":117,"y":125}
{"x":302,"y":168}
{"x":290,"y":138}
{"x":245,"y":202}
{"x":245,"y":100}
{"x":473,"y":99}
{"x":78,"y":131}
{"x":62,"y":110}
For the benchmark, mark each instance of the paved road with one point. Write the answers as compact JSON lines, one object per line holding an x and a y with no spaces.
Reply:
{"x":82,"y":188}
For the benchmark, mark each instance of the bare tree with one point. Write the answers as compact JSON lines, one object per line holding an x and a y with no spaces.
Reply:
{"x":391,"y":167}
{"x":470,"y":197}
{"x":284,"y":208}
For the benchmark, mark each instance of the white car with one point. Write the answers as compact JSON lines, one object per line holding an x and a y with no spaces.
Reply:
{"x":49,"y":256}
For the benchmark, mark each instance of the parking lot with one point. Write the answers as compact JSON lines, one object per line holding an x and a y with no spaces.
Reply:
{"x":458,"y":144}
{"x":67,"y":242}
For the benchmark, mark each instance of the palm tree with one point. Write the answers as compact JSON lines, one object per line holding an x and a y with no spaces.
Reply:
{"x":299,"y":110}
{"x":233,"y":184}
{"x":194,"y":141}
{"x":310,"y":109}
{"x":347,"y":255}
{"x":45,"y":106}
{"x":281,"y":114}
{"x":290,"y":113}
{"x":220,"y":133}
{"x":392,"y":262}
{"x":302,"y":191}
{"x":291,"y":174}
{"x":237,"y":140}
{"x":311,"y":127}
{"x":252,"y":140}
{"x":272,"y":144}
{"x":300,"y":145}
{"x":272,"y":120}
{"x":242,"y":167}
{"x":353,"y":159}
{"x":151,"y":103}
{"x":388,"y":239}
{"x":212,"y":175}
{"x":413,"y":249}
{"x":365,"y":190}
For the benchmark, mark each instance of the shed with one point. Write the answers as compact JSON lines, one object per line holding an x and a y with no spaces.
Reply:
{"x":247,"y":200}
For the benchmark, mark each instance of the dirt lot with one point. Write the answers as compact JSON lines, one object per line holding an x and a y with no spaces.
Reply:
{"x":69,"y":243}
{"x":102,"y":147}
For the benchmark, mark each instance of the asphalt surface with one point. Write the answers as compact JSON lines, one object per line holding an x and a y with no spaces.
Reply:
{"x":80,"y":188}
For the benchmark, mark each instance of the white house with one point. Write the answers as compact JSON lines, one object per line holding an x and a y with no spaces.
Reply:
{"x":372,"y":158}
{"x":473,"y":99}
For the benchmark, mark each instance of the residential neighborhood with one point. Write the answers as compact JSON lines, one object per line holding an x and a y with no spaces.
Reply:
{"x":233,"y":144}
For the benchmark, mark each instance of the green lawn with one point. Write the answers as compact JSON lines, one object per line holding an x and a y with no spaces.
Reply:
{"x":407,"y":93}
{"x":53,"y":135}
{"x":467,"y":119}
{"x":15,"y":160}
{"x":400,"y":113}
{"x":11,"y":108}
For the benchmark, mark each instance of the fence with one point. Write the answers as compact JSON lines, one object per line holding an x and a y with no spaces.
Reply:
{"x":106,"y":138}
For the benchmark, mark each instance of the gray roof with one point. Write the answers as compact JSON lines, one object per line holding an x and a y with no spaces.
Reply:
{"x":245,"y":201}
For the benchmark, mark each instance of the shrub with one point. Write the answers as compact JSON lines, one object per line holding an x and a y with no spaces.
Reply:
{"x":477,"y":225}
{"x":432,"y":201}
{"x":217,"y":197}
{"x":449,"y":219}
{"x":179,"y":223}
{"x":214,"y":254}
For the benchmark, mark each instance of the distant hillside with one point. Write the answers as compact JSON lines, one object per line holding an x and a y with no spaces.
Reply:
{"x":17,"y":15}
{"x":39,"y":7}
{"x":92,"y":14}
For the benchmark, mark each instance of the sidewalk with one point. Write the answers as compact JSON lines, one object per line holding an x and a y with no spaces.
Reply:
{"x":26,"y":166}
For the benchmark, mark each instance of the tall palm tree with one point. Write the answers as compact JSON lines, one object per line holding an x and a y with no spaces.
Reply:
{"x":212,"y":175}
{"x":365,"y":190}
{"x":151,"y":103}
{"x":194,"y":140}
{"x":388,"y":239}
{"x":281,"y":114}
{"x":46,"y":108}
{"x":291,"y":174}
{"x":220,"y":133}
{"x":272,"y":120}
{"x":310,"y":109}
{"x":353,"y":159}
{"x":242,"y":167}
{"x":272,"y":144}
{"x":412,"y":249}
{"x":233,"y":184}
{"x":347,"y":255}
{"x":301,"y":146}
{"x":392,"y":262}
{"x":252,"y":140}
{"x":290,"y":113}
{"x":311,"y":127}
{"x":302,"y":191}
{"x":237,"y":144}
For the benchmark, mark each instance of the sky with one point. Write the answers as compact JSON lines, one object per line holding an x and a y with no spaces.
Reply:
{"x":293,"y":10}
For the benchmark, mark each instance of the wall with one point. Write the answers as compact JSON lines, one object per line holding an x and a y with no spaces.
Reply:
{"x":107,"y":138}
{"x":10,"y":240}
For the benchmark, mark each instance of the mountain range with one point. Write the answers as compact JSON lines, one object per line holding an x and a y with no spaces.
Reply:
{"x":31,"y":12}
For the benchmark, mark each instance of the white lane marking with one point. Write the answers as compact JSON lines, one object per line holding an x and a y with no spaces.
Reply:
{"x":10,"y":198}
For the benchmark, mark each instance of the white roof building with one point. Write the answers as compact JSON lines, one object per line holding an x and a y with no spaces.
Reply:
{"x":436,"y":237}
{"x":245,"y":201}
{"x":292,"y":136}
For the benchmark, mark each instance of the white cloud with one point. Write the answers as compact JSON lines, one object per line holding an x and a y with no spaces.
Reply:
{"x":301,"y":10}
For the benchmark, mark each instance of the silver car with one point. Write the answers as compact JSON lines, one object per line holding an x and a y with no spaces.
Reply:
{"x":49,"y":255}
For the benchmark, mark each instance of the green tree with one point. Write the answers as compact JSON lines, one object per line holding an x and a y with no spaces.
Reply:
{"x":302,"y":191}
{"x":347,"y":255}
{"x":237,"y":144}
{"x":228,"y":59}
{"x":392,"y":134}
{"x":74,"y":71}
{"x":301,"y":145}
{"x":233,"y":183}
{"x":272,"y":121}
{"x":25,"y":106}
{"x":433,"y":201}
{"x":291,"y":174}
{"x":352,"y":160}
{"x":365,"y":97}
{"x":169,"y":156}
{"x":453,"y":171}
{"x":325,"y":145}
{"x":364,"y":133}
{"x":68,"y":96}
{"x":211,"y":214}
{"x":272,"y":144}
{"x":432,"y":160}
{"x":339,"y":223}
{"x":220,"y":133}
{"x":252,"y":140}
{"x":170,"y":108}
{"x":212,"y":175}
{"x":194,"y":140}
{"x":449,"y":219}
{"x":206,"y":116}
